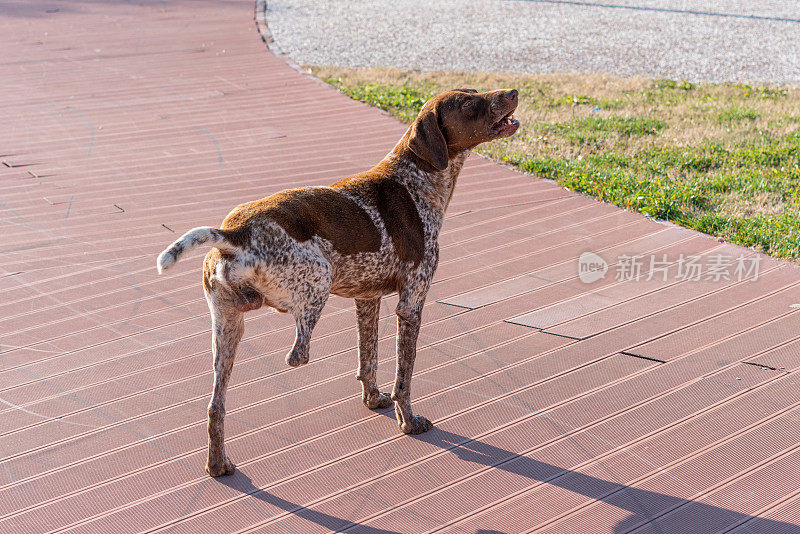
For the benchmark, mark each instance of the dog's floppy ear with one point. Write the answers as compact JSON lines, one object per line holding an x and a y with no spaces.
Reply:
{"x":427,"y":140}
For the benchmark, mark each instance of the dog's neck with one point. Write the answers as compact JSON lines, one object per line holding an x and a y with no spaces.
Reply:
{"x":435,"y":187}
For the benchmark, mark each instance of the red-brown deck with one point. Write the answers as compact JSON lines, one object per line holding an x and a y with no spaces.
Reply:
{"x":650,"y":406}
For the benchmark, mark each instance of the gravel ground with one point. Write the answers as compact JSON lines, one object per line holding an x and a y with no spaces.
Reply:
{"x":722,"y":40}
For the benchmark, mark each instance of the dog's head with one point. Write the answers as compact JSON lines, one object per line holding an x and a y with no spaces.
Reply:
{"x":459,"y":120}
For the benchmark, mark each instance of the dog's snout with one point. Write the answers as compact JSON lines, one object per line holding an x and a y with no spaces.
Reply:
{"x":511,"y":95}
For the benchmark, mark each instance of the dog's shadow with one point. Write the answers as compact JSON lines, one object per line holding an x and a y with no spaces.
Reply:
{"x":643,"y":506}
{"x":242,"y":483}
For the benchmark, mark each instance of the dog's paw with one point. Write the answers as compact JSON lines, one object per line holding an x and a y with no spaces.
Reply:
{"x":416,"y":425}
{"x":296,"y":358}
{"x":378,"y":401}
{"x":218,"y":469}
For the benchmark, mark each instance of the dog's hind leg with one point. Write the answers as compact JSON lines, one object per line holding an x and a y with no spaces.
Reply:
{"x":367,"y":312}
{"x":312,"y":286}
{"x":227,"y":330}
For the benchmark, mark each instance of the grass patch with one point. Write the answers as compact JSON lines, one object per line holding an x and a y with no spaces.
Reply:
{"x":720,"y":158}
{"x":591,"y":130}
{"x":736,"y":114}
{"x":664,"y":83}
{"x":403,"y":101}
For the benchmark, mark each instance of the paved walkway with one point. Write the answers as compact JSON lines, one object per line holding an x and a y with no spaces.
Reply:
{"x":724,"y":40}
{"x":667,"y":405}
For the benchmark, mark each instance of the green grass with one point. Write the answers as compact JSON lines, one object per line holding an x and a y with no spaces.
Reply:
{"x":736,"y":114}
{"x":402,"y":101}
{"x":722,"y":159}
{"x":594,"y":129}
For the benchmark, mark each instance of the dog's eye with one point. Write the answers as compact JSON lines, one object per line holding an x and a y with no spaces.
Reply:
{"x":468,"y":104}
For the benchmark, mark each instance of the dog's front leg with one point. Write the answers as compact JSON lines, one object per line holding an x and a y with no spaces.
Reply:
{"x":409,"y":318}
{"x":367,"y":312}
{"x":227,"y":330}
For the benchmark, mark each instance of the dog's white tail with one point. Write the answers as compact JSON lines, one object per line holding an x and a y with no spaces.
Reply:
{"x":193,"y":238}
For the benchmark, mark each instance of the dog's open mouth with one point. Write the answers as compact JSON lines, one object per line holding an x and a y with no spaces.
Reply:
{"x":506,"y":125}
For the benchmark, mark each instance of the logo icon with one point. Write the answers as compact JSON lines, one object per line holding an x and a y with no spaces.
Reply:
{"x":591,"y":267}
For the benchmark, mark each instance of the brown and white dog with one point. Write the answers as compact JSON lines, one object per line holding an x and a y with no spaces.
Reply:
{"x":364,"y":237}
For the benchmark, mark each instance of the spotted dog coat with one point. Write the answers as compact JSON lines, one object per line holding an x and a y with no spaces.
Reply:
{"x":364,"y":237}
